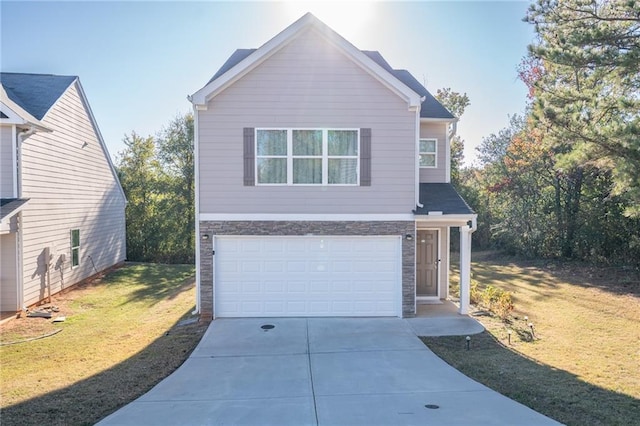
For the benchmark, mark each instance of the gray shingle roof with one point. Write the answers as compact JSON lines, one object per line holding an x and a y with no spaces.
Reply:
{"x":9,"y":205}
{"x":441,"y":197}
{"x":430,"y":108}
{"x":234,"y":59}
{"x":35,"y":93}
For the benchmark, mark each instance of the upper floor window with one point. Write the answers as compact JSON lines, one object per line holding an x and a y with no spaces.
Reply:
{"x":75,"y":247}
{"x":428,"y":152}
{"x":307,"y":156}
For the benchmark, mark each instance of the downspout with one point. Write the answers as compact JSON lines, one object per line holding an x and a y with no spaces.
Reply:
{"x":450,"y":134}
{"x":197,"y":201}
{"x":417,"y":156}
{"x":18,"y":187}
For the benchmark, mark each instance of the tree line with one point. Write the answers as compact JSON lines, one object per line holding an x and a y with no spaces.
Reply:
{"x":157,"y":176}
{"x":562,"y":180}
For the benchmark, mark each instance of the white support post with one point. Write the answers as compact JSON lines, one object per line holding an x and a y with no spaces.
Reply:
{"x":465,"y":268}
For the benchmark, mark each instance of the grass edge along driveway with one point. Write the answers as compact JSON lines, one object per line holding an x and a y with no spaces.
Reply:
{"x":581,"y":367}
{"x":120,"y":338}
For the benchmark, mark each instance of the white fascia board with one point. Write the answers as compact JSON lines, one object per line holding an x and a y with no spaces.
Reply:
{"x":288,"y":217}
{"x":445,"y":219}
{"x":369,"y":65}
{"x":5,"y":220}
{"x":94,"y":123}
{"x":438,"y":120}
{"x":202,"y":96}
{"x":196,"y":170}
{"x":17,"y":115}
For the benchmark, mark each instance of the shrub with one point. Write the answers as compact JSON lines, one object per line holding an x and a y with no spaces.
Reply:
{"x":498,"y":301}
{"x":475,"y":295}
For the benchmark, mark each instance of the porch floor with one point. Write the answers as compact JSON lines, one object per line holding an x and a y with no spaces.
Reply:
{"x":446,"y":308}
{"x":443,"y":319}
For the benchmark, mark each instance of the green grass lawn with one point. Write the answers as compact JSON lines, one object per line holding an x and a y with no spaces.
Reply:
{"x":583,"y":366}
{"x":120,"y":338}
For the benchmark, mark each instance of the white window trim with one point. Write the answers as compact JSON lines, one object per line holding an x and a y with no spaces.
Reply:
{"x":325,"y":156}
{"x":75,"y":247}
{"x":435,"y":153}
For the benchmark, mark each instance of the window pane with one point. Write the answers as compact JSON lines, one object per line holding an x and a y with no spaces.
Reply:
{"x":272,"y":170}
{"x":427,"y":146}
{"x":427,"y":160}
{"x":272,"y":142}
{"x":343,"y":170}
{"x":307,"y":142}
{"x":343,"y":142}
{"x":75,"y":257}
{"x":75,"y":238}
{"x":307,"y":170}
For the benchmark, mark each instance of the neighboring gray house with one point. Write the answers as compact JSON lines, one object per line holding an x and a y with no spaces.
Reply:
{"x":322,"y":184}
{"x":61,"y":204}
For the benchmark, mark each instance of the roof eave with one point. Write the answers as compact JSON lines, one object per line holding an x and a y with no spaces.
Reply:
{"x":437,"y":119}
{"x":462,"y":218}
{"x":18,"y":116}
{"x":5,"y":219}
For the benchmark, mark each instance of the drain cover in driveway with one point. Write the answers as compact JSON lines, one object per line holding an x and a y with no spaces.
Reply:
{"x":432,"y":406}
{"x":267,"y":327}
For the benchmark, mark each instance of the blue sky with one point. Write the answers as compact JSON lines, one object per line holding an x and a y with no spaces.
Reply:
{"x":138,"y":61}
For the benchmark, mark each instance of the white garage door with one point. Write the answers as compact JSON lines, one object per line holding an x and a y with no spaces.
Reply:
{"x":307,"y":276}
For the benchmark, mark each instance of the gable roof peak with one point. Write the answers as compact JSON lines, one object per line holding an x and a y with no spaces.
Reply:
{"x":35,"y":93}
{"x":248,"y":60}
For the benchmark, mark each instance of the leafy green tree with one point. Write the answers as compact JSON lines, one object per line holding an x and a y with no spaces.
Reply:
{"x":456,"y":103}
{"x":138,"y":171}
{"x":176,"y":156}
{"x":584,"y":78}
{"x":157,"y":176}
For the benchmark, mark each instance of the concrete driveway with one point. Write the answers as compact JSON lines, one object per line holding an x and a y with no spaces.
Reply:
{"x":324,"y":371}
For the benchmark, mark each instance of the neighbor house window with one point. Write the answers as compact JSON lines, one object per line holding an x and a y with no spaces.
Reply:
{"x":75,"y":247}
{"x":307,"y":156}
{"x":428,"y":152}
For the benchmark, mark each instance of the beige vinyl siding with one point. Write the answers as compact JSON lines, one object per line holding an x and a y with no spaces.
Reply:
{"x":6,"y":162}
{"x":8,"y":276}
{"x":438,"y":131}
{"x":307,"y":84}
{"x":70,"y":186}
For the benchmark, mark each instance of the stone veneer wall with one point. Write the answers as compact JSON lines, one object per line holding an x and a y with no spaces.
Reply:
{"x":275,"y":228}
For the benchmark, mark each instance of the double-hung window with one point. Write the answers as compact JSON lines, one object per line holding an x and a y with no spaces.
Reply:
{"x":428,"y":152}
{"x":75,"y":247}
{"x":307,"y":156}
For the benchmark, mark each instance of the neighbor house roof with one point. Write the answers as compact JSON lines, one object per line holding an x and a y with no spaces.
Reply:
{"x":35,"y":93}
{"x":441,"y":198}
{"x":243,"y":61}
{"x":10,"y":206}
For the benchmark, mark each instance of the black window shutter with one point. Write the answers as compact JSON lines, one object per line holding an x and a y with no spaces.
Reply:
{"x":365,"y":157}
{"x":249,"y":156}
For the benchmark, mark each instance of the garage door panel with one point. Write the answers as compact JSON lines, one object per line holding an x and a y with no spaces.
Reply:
{"x":307,"y":276}
{"x":299,"y":266}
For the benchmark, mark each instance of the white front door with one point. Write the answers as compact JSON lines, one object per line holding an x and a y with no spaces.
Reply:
{"x":307,"y":276}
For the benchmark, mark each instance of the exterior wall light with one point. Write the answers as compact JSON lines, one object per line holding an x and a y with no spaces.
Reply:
{"x":205,"y":237}
{"x":408,"y":237}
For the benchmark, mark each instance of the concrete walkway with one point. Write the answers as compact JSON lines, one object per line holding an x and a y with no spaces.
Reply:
{"x":324,"y":371}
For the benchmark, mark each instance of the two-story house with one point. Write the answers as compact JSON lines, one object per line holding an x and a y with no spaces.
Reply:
{"x":323,"y":184}
{"x":61,"y":204}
